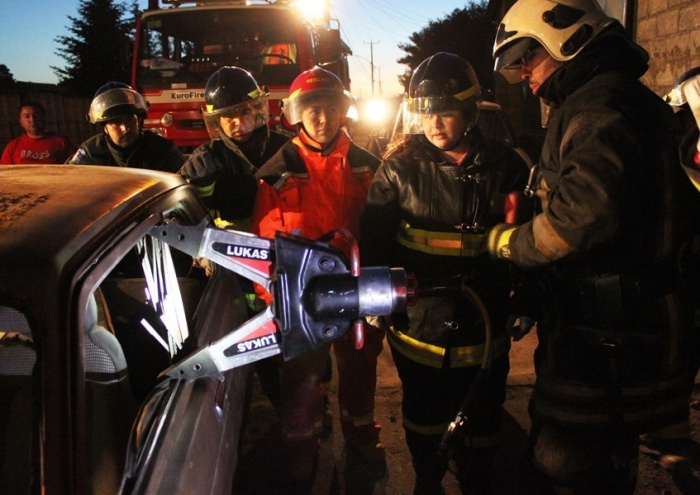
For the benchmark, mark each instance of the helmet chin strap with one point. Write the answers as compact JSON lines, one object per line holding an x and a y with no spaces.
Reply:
{"x":463,"y":138}
{"x":324,"y":149}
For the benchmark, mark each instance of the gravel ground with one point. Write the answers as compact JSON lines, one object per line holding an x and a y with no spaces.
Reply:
{"x":261,"y":469}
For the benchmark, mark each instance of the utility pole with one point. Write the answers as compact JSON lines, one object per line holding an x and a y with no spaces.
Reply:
{"x":379,"y":77}
{"x":371,"y":60}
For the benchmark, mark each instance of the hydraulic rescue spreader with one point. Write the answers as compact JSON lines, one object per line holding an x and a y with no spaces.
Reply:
{"x":319,"y":293}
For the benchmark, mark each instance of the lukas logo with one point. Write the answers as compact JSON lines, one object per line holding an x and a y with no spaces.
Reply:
{"x":243,"y":251}
{"x":255,"y":344}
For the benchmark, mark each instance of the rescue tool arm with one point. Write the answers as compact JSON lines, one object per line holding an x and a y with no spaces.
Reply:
{"x":318,"y":294}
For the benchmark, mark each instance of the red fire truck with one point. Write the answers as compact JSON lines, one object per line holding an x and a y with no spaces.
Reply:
{"x":180,"y":43}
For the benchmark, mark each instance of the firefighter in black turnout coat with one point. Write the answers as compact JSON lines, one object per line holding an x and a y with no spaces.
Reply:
{"x":613,"y":337}
{"x":433,"y":198}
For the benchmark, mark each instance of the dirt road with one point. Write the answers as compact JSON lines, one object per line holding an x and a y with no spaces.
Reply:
{"x":261,"y":470}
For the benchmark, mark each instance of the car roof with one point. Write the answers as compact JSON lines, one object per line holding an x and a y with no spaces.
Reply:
{"x":49,"y":213}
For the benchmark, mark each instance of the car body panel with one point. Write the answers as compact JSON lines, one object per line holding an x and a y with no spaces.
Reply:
{"x":63,"y":230}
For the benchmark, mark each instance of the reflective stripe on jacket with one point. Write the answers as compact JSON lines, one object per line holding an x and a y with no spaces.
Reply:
{"x":440,"y":243}
{"x":434,"y":355}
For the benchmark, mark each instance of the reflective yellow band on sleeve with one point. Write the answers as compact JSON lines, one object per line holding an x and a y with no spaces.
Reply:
{"x":499,"y":240}
{"x":206,"y":191}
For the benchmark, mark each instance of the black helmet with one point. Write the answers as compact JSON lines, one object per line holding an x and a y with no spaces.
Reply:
{"x":441,"y":83}
{"x":116,"y":99}
{"x":229,"y":91}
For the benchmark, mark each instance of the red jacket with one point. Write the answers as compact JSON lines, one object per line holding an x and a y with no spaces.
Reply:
{"x":306,"y":192}
{"x":309,"y":193}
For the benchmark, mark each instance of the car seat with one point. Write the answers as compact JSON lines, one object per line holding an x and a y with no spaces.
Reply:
{"x":111,"y":406}
{"x":17,"y":359}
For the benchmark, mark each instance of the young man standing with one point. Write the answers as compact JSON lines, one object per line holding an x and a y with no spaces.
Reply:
{"x":36,"y":145}
{"x":315,"y":184}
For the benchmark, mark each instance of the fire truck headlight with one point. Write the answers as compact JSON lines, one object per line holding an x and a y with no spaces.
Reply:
{"x":312,"y":9}
{"x":166,"y":120}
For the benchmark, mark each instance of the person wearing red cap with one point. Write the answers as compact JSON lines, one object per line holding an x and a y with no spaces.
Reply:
{"x":315,"y":184}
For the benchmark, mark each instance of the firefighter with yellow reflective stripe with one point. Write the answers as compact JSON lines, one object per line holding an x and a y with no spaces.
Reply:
{"x":613,"y":353}
{"x":429,"y":205}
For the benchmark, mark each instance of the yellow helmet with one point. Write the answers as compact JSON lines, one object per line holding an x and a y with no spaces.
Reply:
{"x":562,"y":27}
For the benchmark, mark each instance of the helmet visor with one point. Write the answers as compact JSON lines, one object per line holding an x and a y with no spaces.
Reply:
{"x":512,"y":54}
{"x":442,"y":103}
{"x":249,"y":115}
{"x":114,"y":103}
{"x":293,"y":107}
{"x":432,"y":104}
{"x":412,"y":121}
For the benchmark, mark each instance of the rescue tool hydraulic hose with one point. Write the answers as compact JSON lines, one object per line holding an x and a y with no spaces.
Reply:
{"x":453,"y":433}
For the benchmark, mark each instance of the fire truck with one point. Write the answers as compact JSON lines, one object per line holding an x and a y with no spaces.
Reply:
{"x":180,"y":43}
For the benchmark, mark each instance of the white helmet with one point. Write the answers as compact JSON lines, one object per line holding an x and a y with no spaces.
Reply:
{"x":689,"y":81}
{"x":562,"y":27}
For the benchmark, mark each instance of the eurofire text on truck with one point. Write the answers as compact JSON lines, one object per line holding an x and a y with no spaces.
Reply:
{"x":180,"y":43}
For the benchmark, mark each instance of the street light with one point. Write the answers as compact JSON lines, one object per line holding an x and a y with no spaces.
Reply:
{"x":375,"y":110}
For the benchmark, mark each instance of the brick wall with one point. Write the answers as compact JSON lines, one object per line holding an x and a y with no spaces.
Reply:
{"x":670,"y":31}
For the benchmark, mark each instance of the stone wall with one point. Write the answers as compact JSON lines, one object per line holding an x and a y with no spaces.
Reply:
{"x":670,"y":31}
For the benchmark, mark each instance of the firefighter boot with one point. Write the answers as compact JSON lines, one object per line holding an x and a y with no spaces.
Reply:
{"x":475,"y":470}
{"x":364,"y":440}
{"x":429,"y":476}
{"x":429,"y":463}
{"x":302,"y":459}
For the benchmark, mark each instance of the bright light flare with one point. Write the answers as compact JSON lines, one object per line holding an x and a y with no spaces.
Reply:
{"x":375,"y":110}
{"x":312,"y":9}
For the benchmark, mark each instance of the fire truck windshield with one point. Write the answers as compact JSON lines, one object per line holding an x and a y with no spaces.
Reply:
{"x":185,"y":46}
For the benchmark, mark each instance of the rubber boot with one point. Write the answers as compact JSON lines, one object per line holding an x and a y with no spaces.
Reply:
{"x":364,"y":440}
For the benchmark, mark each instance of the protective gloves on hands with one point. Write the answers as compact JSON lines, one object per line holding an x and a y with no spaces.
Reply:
{"x":499,"y":239}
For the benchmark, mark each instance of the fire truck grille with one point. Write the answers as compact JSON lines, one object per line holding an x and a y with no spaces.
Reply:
{"x":192,"y":124}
